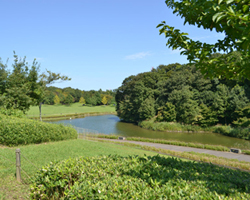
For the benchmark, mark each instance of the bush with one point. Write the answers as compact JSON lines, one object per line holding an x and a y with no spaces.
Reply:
{"x":21,"y":131}
{"x":238,"y":132}
{"x":134,"y":177}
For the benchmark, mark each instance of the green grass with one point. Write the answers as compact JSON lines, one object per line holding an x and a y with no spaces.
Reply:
{"x":221,"y":161}
{"x":72,"y":109}
{"x":41,"y":154}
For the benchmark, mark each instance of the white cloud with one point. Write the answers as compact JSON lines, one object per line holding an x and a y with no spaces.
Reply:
{"x":137,"y":56}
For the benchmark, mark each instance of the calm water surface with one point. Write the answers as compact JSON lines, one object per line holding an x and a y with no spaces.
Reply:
{"x":110,"y":124}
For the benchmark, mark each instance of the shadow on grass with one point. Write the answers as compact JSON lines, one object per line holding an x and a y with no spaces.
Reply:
{"x":214,"y":178}
{"x":135,"y":177}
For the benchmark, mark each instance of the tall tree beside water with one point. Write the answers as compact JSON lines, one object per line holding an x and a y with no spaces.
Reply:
{"x":195,"y":99}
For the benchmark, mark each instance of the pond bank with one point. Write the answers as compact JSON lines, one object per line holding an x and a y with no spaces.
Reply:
{"x":66,"y":116}
{"x":240,"y":157}
{"x":227,"y":130}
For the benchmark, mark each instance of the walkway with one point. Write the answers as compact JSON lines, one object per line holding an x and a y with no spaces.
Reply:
{"x":240,"y":157}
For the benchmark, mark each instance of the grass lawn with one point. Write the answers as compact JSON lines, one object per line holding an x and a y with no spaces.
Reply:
{"x":33,"y":157}
{"x":72,"y":109}
{"x":41,"y":154}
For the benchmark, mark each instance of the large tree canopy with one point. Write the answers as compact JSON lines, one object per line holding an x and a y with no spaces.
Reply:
{"x":181,"y":93}
{"x":230,"y":17}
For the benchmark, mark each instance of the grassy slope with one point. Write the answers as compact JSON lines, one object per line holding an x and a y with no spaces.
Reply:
{"x":64,"y":109}
{"x":42,"y":154}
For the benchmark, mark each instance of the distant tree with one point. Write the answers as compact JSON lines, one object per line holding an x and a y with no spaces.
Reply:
{"x":147,"y":110}
{"x":82,"y":101}
{"x":166,"y":113}
{"x":56,"y":100}
{"x":104,"y":100}
{"x":62,"y":97}
{"x":78,"y":95}
{"x":45,"y":80}
{"x":49,"y":97}
{"x":69,"y":99}
{"x":207,"y":116}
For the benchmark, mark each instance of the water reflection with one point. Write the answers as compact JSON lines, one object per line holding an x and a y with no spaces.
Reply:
{"x":110,"y":124}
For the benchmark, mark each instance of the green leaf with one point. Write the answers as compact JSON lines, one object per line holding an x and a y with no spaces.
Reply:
{"x":245,"y":8}
{"x":229,"y":1}
{"x":215,"y":16}
{"x":230,"y":9}
{"x":219,"y":2}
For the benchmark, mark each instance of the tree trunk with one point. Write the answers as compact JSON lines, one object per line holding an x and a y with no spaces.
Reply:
{"x":40,"y":110}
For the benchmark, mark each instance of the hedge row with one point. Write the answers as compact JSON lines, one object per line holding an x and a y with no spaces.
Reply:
{"x":134,"y":177}
{"x":21,"y":131}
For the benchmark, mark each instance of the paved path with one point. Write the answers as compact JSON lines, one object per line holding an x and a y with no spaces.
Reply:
{"x":240,"y":157}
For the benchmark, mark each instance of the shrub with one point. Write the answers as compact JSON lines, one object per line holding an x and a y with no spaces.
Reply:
{"x":21,"y":131}
{"x":225,"y":130}
{"x":134,"y":177}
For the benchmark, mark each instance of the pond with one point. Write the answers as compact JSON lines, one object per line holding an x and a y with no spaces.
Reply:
{"x":111,"y":124}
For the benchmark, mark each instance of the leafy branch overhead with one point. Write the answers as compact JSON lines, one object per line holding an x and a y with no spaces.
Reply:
{"x":52,"y":77}
{"x":230,"y":17}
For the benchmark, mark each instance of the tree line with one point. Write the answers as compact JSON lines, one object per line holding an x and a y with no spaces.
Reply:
{"x":181,"y":93}
{"x":22,"y":86}
{"x":68,"y":95}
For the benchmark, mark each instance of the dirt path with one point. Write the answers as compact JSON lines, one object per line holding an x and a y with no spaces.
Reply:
{"x":240,"y":157}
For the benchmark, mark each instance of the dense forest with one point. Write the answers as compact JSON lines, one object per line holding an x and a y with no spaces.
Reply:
{"x":180,"y":93}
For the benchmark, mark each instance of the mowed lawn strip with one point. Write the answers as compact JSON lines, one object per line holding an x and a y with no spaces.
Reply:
{"x":68,"y":109}
{"x":41,"y":154}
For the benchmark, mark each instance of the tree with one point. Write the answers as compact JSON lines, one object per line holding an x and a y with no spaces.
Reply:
{"x":45,"y":80}
{"x":18,"y":88}
{"x":56,"y":100}
{"x":230,"y":17}
{"x":69,"y":99}
{"x":82,"y":101}
{"x":166,"y":113}
{"x":104,"y":100}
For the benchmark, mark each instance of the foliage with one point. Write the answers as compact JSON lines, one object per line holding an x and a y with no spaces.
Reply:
{"x":21,"y":131}
{"x":238,"y":132}
{"x":230,"y":17}
{"x":182,"y":94}
{"x":12,"y":112}
{"x":69,"y":99}
{"x":146,"y":110}
{"x":116,"y":177}
{"x":104,"y":100}
{"x":56,"y":100}
{"x":135,"y":92}
{"x":166,"y":113}
{"x":18,"y":89}
{"x":82,"y":100}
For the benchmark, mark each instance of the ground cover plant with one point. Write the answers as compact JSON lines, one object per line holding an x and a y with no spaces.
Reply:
{"x":39,"y":155}
{"x":138,"y":177}
{"x":22,"y":131}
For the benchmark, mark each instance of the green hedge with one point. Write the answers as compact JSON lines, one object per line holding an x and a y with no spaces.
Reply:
{"x":134,"y":177}
{"x":21,"y":131}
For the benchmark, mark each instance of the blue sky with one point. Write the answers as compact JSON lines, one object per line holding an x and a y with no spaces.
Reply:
{"x":97,"y":43}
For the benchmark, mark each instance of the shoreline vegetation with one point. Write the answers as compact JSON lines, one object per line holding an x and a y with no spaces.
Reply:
{"x":171,"y":142}
{"x":63,"y":116}
{"x":227,"y":130}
